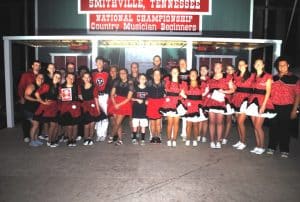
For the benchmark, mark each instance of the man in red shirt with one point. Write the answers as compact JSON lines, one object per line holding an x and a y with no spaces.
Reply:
{"x":100,"y":78}
{"x":26,"y":79}
{"x":285,"y":96}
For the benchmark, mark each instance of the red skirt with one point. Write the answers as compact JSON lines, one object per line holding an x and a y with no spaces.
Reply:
{"x":90,"y":112}
{"x":125,"y":109}
{"x":153,"y":108}
{"x":46,"y":113}
{"x":192,"y":107}
{"x":169,"y":104}
{"x":70,"y":113}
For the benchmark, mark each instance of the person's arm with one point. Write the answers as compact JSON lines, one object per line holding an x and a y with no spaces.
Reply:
{"x":44,"y":88}
{"x":267,"y":96}
{"x":21,"y":88}
{"x":28,"y":91}
{"x":129,"y":96}
{"x":231,"y":88}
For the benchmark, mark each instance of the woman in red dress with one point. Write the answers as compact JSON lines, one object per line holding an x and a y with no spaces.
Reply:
{"x":47,"y":111}
{"x":260,"y":105}
{"x":156,"y":93}
{"x":193,"y":104}
{"x":219,"y":86}
{"x":243,"y":80}
{"x":203,"y":125}
{"x":70,"y":111}
{"x":175,"y":89}
{"x":119,"y":104}
{"x":88,"y":94}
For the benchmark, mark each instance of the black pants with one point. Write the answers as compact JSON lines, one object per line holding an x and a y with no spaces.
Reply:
{"x":26,"y":124}
{"x":280,"y":128}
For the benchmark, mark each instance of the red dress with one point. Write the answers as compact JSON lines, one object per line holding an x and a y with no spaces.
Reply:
{"x":47,"y":113}
{"x":155,"y":98}
{"x":257,"y":97}
{"x":172,"y":99}
{"x":215,"y":101}
{"x":243,"y":91}
{"x":122,"y":90}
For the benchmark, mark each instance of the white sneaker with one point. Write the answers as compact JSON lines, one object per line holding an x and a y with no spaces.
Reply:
{"x":212,"y":145}
{"x":218,"y":145}
{"x":86,"y":142}
{"x":26,"y":139}
{"x":270,"y":151}
{"x":284,"y":155}
{"x":134,"y":141}
{"x":195,"y":143}
{"x":169,"y":143}
{"x":100,"y":139}
{"x":254,"y":150}
{"x":199,"y":138}
{"x":242,"y":146}
{"x":187,"y":143}
{"x":204,"y":139}
{"x":260,"y":151}
{"x":78,"y":138}
{"x":91,"y":142}
{"x":41,"y":137}
{"x":183,"y":138}
{"x":237,"y":144}
{"x":48,"y":144}
{"x":174,"y":143}
{"x":224,"y":141}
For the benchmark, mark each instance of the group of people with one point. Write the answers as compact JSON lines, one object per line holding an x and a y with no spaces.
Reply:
{"x":97,"y":101}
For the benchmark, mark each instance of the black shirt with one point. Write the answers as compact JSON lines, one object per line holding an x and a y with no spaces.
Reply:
{"x":184,"y":76}
{"x":139,"y":110}
{"x":123,"y":88}
{"x":149,"y":73}
{"x":156,"y":90}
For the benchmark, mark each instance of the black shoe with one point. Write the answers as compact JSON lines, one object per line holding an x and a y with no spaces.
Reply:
{"x":158,"y":141}
{"x":152,"y":141}
{"x":115,"y":138}
{"x":69,"y":143}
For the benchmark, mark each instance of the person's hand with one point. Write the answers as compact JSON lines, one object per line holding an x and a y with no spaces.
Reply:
{"x":139,"y":101}
{"x":293,"y":114}
{"x":262,"y":109}
{"x":117,"y":106}
{"x":182,"y":94}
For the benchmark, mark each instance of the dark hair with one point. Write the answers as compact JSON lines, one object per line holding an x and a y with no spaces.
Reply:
{"x":181,"y":59}
{"x":156,"y":56}
{"x":70,"y":63}
{"x":135,"y":63}
{"x":57,"y":72}
{"x":100,"y":58}
{"x":114,"y":66}
{"x":86,"y":73}
{"x":247,"y":74}
{"x":83,"y":68}
{"x":142,"y":74}
{"x":281,"y":59}
{"x":35,"y":61}
{"x":123,"y":69}
{"x":70,"y":73}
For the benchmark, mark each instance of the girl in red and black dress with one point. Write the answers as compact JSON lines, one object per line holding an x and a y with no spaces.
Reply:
{"x":175,"y":90}
{"x":47,"y":111}
{"x":243,"y":80}
{"x":228,"y":116}
{"x":285,"y":96}
{"x":156,"y":93}
{"x":31,"y":104}
{"x":119,"y":104}
{"x":193,"y":104}
{"x":70,"y":111}
{"x":90,"y":107}
{"x":220,"y":85}
{"x":203,"y":125}
{"x":260,"y":105}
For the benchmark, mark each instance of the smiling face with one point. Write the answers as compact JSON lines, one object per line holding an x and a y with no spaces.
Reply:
{"x":218,"y":68}
{"x":203,"y":71}
{"x":156,"y":61}
{"x":283,"y":67}
{"x":134,"y":68}
{"x":242,"y":65}
{"x":99,"y":64}
{"x":86,"y":78}
{"x":71,"y":68}
{"x":70,"y":79}
{"x":39,"y":80}
{"x":51,"y":68}
{"x":36,"y":66}
{"x":156,"y":76}
{"x":174,"y":73}
{"x":193,"y":75}
{"x":182,"y":65}
{"x":259,"y":65}
{"x":142,"y":79}
{"x":123,"y":75}
{"x":230,"y":70}
{"x":113,"y":72}
{"x":56,"y":78}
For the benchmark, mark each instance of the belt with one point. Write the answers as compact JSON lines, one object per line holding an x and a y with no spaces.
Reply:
{"x":172,"y":94}
{"x":259,"y":91}
{"x":194,"y":97}
{"x":244,"y":90}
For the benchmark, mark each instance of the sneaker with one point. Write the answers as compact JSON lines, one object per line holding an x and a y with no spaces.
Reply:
{"x":169,"y":143}
{"x":26,"y":139}
{"x":61,"y":139}
{"x":39,"y":142}
{"x":158,"y":140}
{"x":90,"y":142}
{"x":237,"y":144}
{"x":199,"y":138}
{"x":270,"y":151}
{"x":212,"y":145}
{"x":48,"y":144}
{"x":134,"y":141}
{"x":260,"y":151}
{"x":66,"y":139}
{"x":174,"y":143}
{"x":74,"y":143}
{"x":242,"y":146}
{"x":218,"y":145}
{"x":284,"y":155}
{"x":152,"y":141}
{"x":119,"y":142}
{"x":41,"y":137}
{"x":78,"y":138}
{"x":204,"y":139}
{"x":86,"y":142}
{"x":183,"y":138}
{"x":224,"y":141}
{"x":69,"y":143}
{"x":142,"y":142}
{"x":187,"y":143}
{"x":195,"y":143}
{"x":254,"y":150}
{"x":46,"y":138}
{"x":53,"y":145}
{"x":33,"y":144}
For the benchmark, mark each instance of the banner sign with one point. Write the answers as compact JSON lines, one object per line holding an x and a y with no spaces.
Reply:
{"x":144,"y":15}
{"x":145,"y":6}
{"x":145,"y":23}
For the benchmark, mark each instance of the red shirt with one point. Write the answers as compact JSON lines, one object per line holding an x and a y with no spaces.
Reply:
{"x":26,"y":79}
{"x":285,"y":89}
